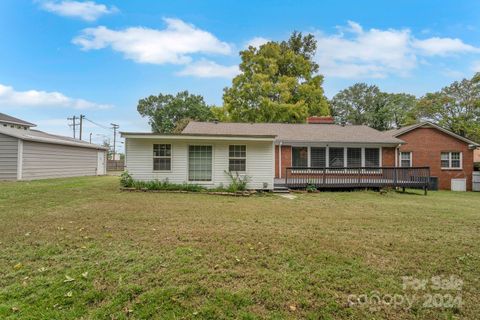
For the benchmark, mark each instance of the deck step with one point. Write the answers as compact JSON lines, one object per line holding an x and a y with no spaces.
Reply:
{"x":281,"y":190}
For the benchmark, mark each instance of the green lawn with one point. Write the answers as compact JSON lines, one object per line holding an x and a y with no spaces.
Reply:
{"x":80,"y":248}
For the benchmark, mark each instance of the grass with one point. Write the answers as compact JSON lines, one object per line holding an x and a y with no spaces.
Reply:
{"x":81,"y":249}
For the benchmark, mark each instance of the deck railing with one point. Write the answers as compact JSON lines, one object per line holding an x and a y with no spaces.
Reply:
{"x":357,"y":177}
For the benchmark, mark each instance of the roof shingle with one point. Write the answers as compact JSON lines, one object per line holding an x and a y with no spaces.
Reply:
{"x":40,"y":136}
{"x":9,"y":119}
{"x":287,"y":132}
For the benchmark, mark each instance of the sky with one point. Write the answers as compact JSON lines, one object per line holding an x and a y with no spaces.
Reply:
{"x":98,"y":58}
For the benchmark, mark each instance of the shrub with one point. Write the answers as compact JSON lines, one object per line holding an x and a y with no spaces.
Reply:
{"x":238,"y":183}
{"x":311,"y":188}
{"x":126,"y":180}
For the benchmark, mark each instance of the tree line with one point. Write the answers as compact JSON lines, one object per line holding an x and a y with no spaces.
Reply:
{"x":281,"y":82}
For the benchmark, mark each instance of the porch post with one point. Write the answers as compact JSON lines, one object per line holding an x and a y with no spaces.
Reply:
{"x":280,"y":160}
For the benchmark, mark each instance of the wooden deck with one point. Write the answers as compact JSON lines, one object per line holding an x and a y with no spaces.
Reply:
{"x":356,"y":177}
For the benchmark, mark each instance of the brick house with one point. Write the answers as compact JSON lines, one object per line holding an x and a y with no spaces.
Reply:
{"x":449,"y":156}
{"x":322,"y":144}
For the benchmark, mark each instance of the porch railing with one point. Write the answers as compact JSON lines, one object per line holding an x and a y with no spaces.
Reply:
{"x":357,"y":177}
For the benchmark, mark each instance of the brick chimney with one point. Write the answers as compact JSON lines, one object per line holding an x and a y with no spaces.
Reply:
{"x":320,"y":120}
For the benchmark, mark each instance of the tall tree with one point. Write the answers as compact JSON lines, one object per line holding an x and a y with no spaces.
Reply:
{"x":279,"y":82}
{"x":168,"y":113}
{"x":361,"y":104}
{"x":403,"y":109}
{"x":456,"y":107}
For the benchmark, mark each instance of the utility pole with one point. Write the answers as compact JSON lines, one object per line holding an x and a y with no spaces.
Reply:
{"x":73,"y":125}
{"x":81,"y":125}
{"x":114,"y":127}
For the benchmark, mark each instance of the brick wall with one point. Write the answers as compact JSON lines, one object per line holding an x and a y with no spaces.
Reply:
{"x":388,"y":157}
{"x":426,"y":145}
{"x":286,"y":159}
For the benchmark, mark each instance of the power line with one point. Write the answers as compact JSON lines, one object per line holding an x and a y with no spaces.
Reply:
{"x":98,"y":124}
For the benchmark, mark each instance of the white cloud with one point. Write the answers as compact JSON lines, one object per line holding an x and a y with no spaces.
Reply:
{"x":357,"y":53}
{"x":209,"y":69}
{"x":256,"y":42}
{"x":86,"y":10}
{"x":9,"y":97}
{"x":442,"y":46}
{"x":476,"y":66}
{"x":174,"y":44}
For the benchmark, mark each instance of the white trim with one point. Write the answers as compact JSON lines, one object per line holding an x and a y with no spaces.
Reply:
{"x":309,"y":156}
{"x":279,"y":159}
{"x":20,"y":159}
{"x":162,"y":157}
{"x":380,"y":157}
{"x":450,"y":160}
{"x":199,"y":137}
{"x":397,"y":150}
{"x":327,"y":157}
{"x":125,"y":156}
{"x":410,"y":159}
{"x":206,"y":182}
{"x":237,"y":158}
{"x":273,"y":158}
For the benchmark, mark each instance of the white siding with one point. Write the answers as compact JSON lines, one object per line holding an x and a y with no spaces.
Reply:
{"x":259,"y":161}
{"x":44,"y":160}
{"x":8,"y":157}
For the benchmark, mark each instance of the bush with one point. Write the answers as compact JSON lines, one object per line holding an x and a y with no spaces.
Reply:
{"x":126,"y":180}
{"x":238,"y":183}
{"x":311,"y":188}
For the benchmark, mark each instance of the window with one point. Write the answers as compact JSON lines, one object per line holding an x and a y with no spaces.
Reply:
{"x":354,"y":157}
{"x":451,"y":160}
{"x":200,"y":163}
{"x":405,"y":159}
{"x":299,"y":156}
{"x":317,"y":157}
{"x":336,"y":157}
{"x":372,"y":157}
{"x":237,"y":157}
{"x":162,"y":157}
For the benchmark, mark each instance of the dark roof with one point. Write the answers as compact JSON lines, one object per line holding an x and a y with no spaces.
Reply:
{"x":40,"y":136}
{"x":287,"y":132}
{"x":9,"y":119}
{"x":197,"y":134}
{"x":427,"y":124}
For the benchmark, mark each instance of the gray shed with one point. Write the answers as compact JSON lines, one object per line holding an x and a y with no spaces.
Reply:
{"x":29,"y":154}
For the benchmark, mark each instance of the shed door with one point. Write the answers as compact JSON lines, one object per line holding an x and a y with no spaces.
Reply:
{"x":100,"y":163}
